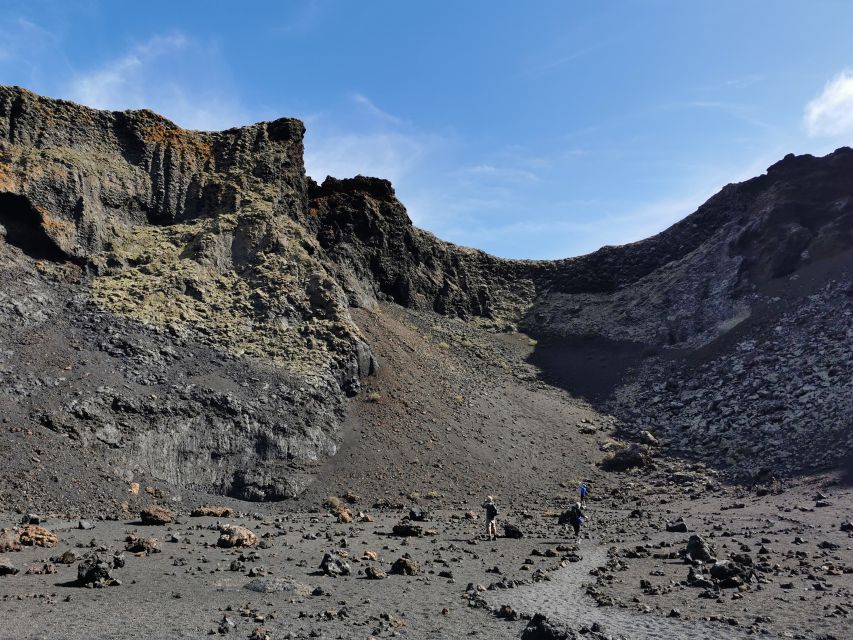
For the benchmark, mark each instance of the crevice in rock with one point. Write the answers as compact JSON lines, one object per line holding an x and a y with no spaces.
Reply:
{"x":25,"y":230}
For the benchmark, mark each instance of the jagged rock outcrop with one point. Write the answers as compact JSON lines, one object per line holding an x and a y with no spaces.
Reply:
{"x":378,"y":253}
{"x":85,"y":172}
{"x":157,"y":252}
{"x":698,"y":279}
{"x":180,"y":301}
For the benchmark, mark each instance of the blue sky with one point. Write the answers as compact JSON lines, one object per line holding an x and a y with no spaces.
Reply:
{"x":537,"y":130}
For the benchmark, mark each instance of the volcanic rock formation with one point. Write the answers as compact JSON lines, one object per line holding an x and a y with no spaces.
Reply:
{"x":179,"y":301}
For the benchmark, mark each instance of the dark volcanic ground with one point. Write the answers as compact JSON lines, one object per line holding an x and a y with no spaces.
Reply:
{"x":801,"y":585}
{"x":186,"y":318}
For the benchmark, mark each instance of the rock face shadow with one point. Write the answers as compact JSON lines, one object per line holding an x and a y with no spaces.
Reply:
{"x":24,"y":229}
{"x":589,"y":367}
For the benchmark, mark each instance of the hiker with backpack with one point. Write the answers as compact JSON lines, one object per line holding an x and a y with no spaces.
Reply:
{"x":491,"y":518}
{"x":583,"y":491}
{"x":575,"y":518}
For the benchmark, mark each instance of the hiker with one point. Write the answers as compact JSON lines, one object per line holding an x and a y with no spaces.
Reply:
{"x":491,"y":518}
{"x":576,"y":518}
{"x":583,"y":491}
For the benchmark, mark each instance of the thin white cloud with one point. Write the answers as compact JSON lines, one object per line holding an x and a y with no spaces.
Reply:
{"x":831,"y":113}
{"x":556,"y":60}
{"x":499,"y":173}
{"x":370,"y":107}
{"x":741,"y":112}
{"x":381,"y":154}
{"x":115,"y":84}
{"x":170,"y":74}
{"x":22,"y":44}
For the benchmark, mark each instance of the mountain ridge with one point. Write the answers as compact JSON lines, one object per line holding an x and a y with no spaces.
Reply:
{"x":154,"y":248}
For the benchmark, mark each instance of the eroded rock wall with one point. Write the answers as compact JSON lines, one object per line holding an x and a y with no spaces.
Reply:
{"x":204,"y":283}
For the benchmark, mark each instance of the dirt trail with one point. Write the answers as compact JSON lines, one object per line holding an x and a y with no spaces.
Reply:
{"x":563,"y":600}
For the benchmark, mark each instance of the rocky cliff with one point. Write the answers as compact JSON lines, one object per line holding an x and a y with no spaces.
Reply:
{"x":180,"y":300}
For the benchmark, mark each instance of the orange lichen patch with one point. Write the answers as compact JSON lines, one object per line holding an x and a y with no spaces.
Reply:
{"x":8,"y":180}
{"x":180,"y":140}
{"x":54,"y":227}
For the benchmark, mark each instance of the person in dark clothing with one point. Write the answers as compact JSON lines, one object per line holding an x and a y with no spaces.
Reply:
{"x":491,"y":518}
{"x":576,"y":518}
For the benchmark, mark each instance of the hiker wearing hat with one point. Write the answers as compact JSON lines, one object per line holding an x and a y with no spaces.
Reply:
{"x":491,"y":518}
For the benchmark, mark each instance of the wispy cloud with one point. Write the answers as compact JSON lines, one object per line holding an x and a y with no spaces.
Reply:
{"x":831,"y":113}
{"x":304,"y":18}
{"x":115,"y":84}
{"x":370,"y":107}
{"x":556,"y":60}
{"x":171,"y":74}
{"x":382,"y":154}
{"x":744,"y":113}
{"x":510,"y":174}
{"x":23,"y":44}
{"x":738,"y":82}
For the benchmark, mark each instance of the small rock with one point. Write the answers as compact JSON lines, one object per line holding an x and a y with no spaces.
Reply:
{"x":677,"y":526}
{"x":7,"y":568}
{"x":407,"y":530}
{"x":9,"y":541}
{"x":374,"y":573}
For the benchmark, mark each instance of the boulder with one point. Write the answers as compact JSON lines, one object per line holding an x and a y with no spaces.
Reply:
{"x":627,"y":457}
{"x":406,"y":530}
{"x":417,"y":514}
{"x":94,"y":571}
{"x":156,"y":515}
{"x":31,"y":518}
{"x":234,"y":535}
{"x":405,"y":566}
{"x":698,"y":549}
{"x":725,"y":569}
{"x":335,"y":566}
{"x":41,"y":569}
{"x":374,"y":573}
{"x":677,"y":526}
{"x":695,"y":579}
{"x":136,"y":544}
{"x":344,"y":515}
{"x":279,"y":585}
{"x":512,"y":531}
{"x":67,"y":557}
{"x":212,"y":512}
{"x":506,"y":612}
{"x":646,"y":437}
{"x":540,"y":629}
{"x":34,"y":535}
{"x":731,"y":574}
